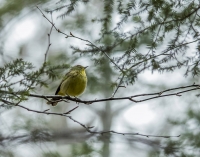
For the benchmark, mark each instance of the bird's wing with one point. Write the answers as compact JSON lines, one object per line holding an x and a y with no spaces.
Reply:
{"x":58,"y":89}
{"x":70,"y":74}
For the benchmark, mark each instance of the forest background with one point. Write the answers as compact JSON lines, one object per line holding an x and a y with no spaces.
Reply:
{"x":142,"y":97}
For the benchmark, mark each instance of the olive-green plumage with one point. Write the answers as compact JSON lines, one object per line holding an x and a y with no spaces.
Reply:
{"x":73,"y":83}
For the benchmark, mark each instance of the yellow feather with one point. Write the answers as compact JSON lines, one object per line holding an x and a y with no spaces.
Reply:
{"x":73,"y":83}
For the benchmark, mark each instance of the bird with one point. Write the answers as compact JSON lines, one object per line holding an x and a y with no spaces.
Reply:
{"x":73,"y":83}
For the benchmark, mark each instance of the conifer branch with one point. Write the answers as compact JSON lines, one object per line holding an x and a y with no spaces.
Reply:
{"x":91,"y":44}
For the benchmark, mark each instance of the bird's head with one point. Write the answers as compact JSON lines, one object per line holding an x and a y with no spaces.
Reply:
{"x":79,"y":67}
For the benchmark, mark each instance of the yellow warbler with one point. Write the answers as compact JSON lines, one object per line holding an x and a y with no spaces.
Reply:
{"x":73,"y":83}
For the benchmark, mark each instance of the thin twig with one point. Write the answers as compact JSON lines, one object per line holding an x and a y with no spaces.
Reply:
{"x":68,"y":112}
{"x":49,"y":41}
{"x":120,"y":81}
{"x":71,"y":35}
{"x":58,"y":30}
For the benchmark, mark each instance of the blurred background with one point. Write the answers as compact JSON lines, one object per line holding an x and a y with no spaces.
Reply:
{"x":23,"y":34}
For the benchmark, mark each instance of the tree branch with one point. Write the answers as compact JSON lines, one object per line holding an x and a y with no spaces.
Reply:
{"x":51,"y":22}
{"x":154,"y":95}
{"x":88,"y":129}
{"x":88,"y":102}
{"x":118,"y":86}
{"x":49,"y":40}
{"x":91,"y":44}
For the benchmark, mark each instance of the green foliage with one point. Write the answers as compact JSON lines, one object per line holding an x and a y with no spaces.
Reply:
{"x":189,"y":139}
{"x":84,"y":150}
{"x":19,"y":77}
{"x":68,"y":9}
{"x":171,"y":148}
{"x":164,"y":19}
{"x":6,"y":153}
{"x":11,"y":8}
{"x":53,"y":72}
{"x":51,"y":154}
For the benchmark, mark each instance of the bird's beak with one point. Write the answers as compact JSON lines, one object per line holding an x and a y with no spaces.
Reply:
{"x":85,"y":67}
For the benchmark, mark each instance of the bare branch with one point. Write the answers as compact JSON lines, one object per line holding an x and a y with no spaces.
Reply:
{"x":49,"y":41}
{"x":88,"y":102}
{"x":149,"y":95}
{"x":88,"y":129}
{"x":68,"y":112}
{"x":118,"y":86}
{"x":58,"y":30}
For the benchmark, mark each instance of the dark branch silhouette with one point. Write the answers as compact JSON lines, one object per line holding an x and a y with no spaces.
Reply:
{"x":89,"y":128}
{"x":131,"y":98}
